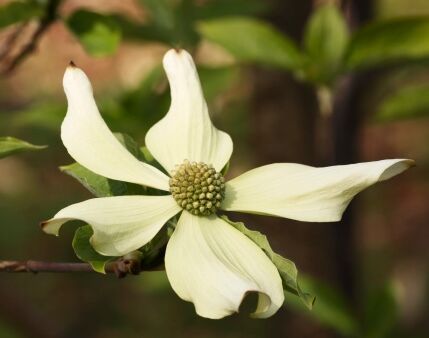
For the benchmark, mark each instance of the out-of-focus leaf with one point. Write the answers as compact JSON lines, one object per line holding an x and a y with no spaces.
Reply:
{"x":287,"y":269}
{"x":173,"y":19}
{"x":85,"y":252}
{"x":387,"y":42}
{"x":407,"y":102}
{"x":150,"y":99}
{"x":17,"y":11}
{"x":217,"y":80}
{"x":10,"y":145}
{"x":330,"y":308}
{"x":185,"y":34}
{"x":7,"y":330}
{"x":220,"y":8}
{"x":137,"y":31}
{"x":99,"y":186}
{"x":252,"y":40}
{"x":42,"y":115}
{"x":325,"y":41}
{"x":99,"y":34}
{"x":161,"y":12}
{"x":380,"y":313}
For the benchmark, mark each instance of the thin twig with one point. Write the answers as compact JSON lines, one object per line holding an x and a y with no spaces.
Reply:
{"x":45,"y":22}
{"x":10,"y":40}
{"x":120,"y":268}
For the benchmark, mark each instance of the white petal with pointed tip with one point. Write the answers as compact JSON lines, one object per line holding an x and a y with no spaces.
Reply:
{"x":213,"y":265}
{"x":121,"y":224}
{"x":306,"y":193}
{"x":90,"y":142}
{"x":186,"y":132}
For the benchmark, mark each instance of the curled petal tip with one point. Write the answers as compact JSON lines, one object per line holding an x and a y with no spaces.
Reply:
{"x":411,"y":163}
{"x":175,"y":54}
{"x":50,"y":226}
{"x":76,"y":82}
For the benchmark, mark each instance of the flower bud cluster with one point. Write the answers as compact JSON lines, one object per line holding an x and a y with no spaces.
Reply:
{"x":197,"y":188}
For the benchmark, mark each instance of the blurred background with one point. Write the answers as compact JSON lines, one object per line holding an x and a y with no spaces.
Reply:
{"x":312,"y":82}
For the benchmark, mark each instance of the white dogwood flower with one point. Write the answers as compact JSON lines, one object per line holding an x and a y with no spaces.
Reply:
{"x":208,"y":262}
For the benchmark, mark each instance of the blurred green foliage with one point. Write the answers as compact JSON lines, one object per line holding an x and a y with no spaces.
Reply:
{"x":99,"y":34}
{"x":8,"y":332}
{"x":408,"y":102}
{"x":19,"y":11}
{"x":381,"y":313}
{"x":391,"y":41}
{"x":256,"y":38}
{"x":331,"y":307}
{"x":325,"y":42}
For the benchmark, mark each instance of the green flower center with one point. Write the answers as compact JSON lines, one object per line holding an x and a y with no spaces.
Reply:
{"x":197,"y":188}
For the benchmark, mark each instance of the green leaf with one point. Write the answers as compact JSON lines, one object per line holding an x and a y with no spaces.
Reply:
{"x":220,"y":8}
{"x":18,"y":11}
{"x":225,"y":169}
{"x":136,"y":31}
{"x":85,"y":252}
{"x":381,"y":313}
{"x":252,"y":40}
{"x":99,"y":34}
{"x":154,"y":251}
{"x":217,"y":80}
{"x":331,"y":308}
{"x":150,"y":97}
{"x":407,"y":102}
{"x":287,"y":269}
{"x":161,"y":12}
{"x":99,"y":186}
{"x":10,"y":145}
{"x":173,"y":19}
{"x":325,"y":42}
{"x":44,"y":115}
{"x":146,"y":154}
{"x":388,"y":42}
{"x":130,"y":144}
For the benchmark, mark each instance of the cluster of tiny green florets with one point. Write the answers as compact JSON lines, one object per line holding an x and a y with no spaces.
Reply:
{"x":197,"y":188}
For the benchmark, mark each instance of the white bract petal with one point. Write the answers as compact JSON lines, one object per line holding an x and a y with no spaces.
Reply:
{"x":90,"y":142}
{"x":121,"y":224}
{"x":213,"y":265}
{"x":186,"y":132}
{"x":306,"y":193}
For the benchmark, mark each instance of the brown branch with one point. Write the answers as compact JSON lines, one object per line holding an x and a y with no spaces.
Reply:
{"x":11,"y":40}
{"x":43,"y":25}
{"x":120,"y":268}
